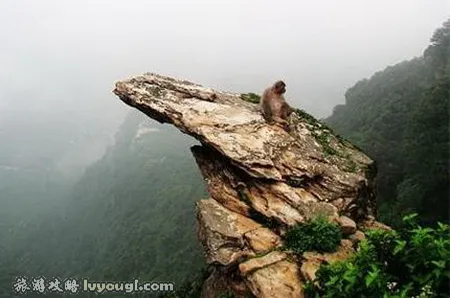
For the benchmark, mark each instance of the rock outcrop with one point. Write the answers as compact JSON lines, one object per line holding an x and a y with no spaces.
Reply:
{"x":261,"y":180}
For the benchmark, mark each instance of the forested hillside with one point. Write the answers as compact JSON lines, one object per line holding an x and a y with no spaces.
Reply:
{"x":400,"y":117}
{"x":130,"y":215}
{"x":136,"y":206}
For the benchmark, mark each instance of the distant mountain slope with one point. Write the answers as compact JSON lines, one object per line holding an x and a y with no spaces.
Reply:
{"x":136,"y":206}
{"x":400,"y":117}
{"x":130,"y":215}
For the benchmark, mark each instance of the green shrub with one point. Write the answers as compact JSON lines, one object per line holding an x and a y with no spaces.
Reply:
{"x":251,"y":97}
{"x":314,"y":235}
{"x":412,"y":262}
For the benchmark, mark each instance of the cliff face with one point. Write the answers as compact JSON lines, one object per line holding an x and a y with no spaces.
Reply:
{"x":261,"y":180}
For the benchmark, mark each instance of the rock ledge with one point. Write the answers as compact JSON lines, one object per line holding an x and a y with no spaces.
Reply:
{"x":261,"y":180}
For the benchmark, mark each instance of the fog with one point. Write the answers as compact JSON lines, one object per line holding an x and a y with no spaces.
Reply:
{"x":66,"y":207}
{"x":59,"y":59}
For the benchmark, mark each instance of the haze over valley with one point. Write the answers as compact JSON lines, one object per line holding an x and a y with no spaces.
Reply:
{"x":91,"y":187}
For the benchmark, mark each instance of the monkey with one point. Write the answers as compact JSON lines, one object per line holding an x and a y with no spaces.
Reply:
{"x":273,"y":105}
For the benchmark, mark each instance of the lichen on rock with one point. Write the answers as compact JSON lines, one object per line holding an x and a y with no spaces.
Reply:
{"x":262,"y":180}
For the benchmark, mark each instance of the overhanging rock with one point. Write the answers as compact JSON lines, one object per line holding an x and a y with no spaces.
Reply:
{"x":261,"y":179}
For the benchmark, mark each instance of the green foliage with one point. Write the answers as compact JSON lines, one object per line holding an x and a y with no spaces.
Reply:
{"x":324,"y":135}
{"x":130,"y":215}
{"x":315,"y":235}
{"x":413,"y":262}
{"x":308,"y":118}
{"x":400,"y":118}
{"x":321,"y":132}
{"x":324,"y":140}
{"x":251,"y":97}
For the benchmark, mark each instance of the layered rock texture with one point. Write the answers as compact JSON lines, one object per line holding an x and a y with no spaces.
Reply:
{"x":261,"y":180}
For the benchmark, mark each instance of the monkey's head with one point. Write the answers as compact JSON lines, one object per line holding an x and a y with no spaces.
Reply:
{"x":279,"y":87}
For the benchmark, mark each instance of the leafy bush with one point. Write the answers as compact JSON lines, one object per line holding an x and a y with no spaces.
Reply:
{"x":318,"y":235}
{"x":413,"y":262}
{"x":251,"y":97}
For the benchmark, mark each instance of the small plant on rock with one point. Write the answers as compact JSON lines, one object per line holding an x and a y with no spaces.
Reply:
{"x":315,"y":235}
{"x":251,"y":97}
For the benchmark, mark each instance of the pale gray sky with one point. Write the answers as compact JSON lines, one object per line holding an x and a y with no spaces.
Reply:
{"x":69,"y":53}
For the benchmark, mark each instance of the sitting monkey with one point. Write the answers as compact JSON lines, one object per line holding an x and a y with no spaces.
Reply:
{"x":273,"y":105}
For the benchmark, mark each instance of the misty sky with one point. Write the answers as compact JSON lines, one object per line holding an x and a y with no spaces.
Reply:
{"x":69,"y":53}
{"x":59,"y":59}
